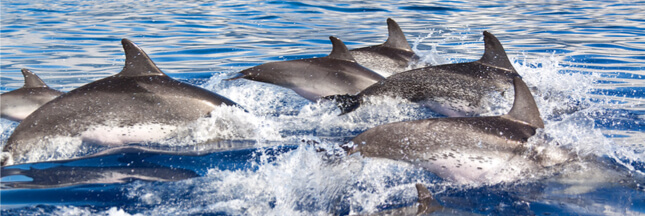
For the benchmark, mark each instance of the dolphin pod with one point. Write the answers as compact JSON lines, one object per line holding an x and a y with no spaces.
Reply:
{"x":452,"y":89}
{"x":142,"y":104}
{"x":139,"y":104}
{"x":466,"y":149}
{"x":18,"y":104}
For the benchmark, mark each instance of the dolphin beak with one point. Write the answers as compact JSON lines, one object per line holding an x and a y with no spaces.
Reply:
{"x":236,"y":76}
{"x":347,"y":147}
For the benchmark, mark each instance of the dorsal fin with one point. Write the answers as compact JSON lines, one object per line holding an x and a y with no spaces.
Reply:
{"x":494,"y":53}
{"x":396,"y":38}
{"x":339,"y":50}
{"x":427,"y":203}
{"x":137,"y":62}
{"x":31,"y":80}
{"x":524,"y":107}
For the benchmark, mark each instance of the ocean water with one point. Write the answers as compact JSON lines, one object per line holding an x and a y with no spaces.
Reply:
{"x":586,"y":60}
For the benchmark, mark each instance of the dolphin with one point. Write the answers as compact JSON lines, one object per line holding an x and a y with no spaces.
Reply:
{"x":426,"y":205}
{"x":118,"y":165}
{"x":393,"y":56}
{"x":18,"y":104}
{"x":337,"y":73}
{"x":452,"y":90}
{"x":139,"y":104}
{"x":63,"y":176}
{"x":466,"y":149}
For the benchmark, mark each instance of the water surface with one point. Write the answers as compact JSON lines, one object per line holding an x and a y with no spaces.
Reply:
{"x":586,"y":59}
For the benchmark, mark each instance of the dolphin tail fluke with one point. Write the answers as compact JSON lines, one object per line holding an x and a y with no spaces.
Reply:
{"x":396,"y":38}
{"x":31,"y":80}
{"x":524,"y":107}
{"x":427,"y":203}
{"x":346,"y":103}
{"x":494,"y":53}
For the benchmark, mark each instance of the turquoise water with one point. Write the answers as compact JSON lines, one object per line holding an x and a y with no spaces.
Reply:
{"x":586,"y":59}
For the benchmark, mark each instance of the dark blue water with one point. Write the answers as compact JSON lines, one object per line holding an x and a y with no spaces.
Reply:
{"x":587,"y":60}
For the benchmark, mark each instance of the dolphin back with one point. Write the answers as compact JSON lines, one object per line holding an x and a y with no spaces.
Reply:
{"x":18,"y":104}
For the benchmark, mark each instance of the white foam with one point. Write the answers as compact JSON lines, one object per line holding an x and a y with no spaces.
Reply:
{"x":299,"y":182}
{"x":226,"y":123}
{"x":432,"y":56}
{"x":86,"y":211}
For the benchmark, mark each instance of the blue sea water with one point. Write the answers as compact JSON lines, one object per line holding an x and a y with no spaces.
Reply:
{"x":585,"y":58}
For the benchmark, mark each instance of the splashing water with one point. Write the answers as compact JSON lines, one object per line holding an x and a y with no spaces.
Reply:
{"x":579,"y":59}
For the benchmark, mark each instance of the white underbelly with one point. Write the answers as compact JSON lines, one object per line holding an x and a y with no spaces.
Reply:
{"x":477,"y":168}
{"x":141,"y":133}
{"x":19,"y":112}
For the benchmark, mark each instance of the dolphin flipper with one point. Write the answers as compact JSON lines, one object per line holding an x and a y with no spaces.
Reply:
{"x":427,"y":203}
{"x":396,"y":39}
{"x":524,"y":107}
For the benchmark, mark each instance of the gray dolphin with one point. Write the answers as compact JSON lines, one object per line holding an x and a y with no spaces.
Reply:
{"x":63,"y":176}
{"x":139,"y":104}
{"x":466,"y":149}
{"x":426,"y":205}
{"x":18,"y":104}
{"x":393,"y":56}
{"x":452,"y":89}
{"x":118,"y":165}
{"x":337,"y":73}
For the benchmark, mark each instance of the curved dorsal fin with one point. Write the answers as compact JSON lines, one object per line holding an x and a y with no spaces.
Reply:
{"x":494,"y":53}
{"x":137,"y":62}
{"x":31,"y":80}
{"x":524,"y":107}
{"x":339,"y":50}
{"x":396,"y":38}
{"x":427,"y":203}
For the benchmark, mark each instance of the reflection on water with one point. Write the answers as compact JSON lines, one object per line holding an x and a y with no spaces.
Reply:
{"x":587,"y":60}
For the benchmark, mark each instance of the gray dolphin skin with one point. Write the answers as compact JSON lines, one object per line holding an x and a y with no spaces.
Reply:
{"x":466,"y":149}
{"x":454,"y":90}
{"x":63,"y":176}
{"x":118,"y":165}
{"x":16,"y":105}
{"x":337,"y":73}
{"x":139,"y":104}
{"x":393,"y":56}
{"x":426,"y":205}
